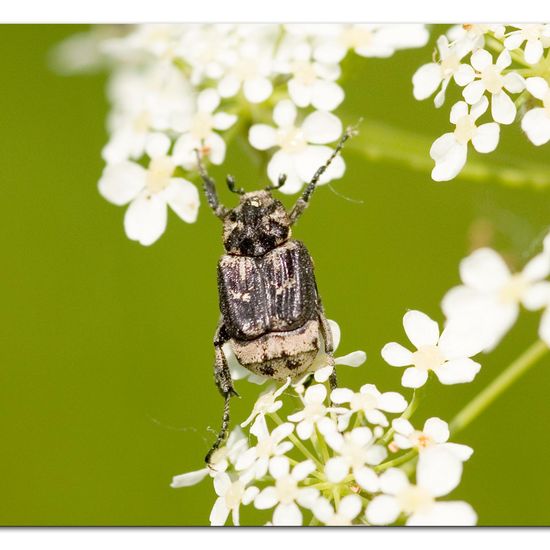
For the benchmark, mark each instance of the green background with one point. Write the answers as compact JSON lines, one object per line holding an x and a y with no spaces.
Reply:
{"x":106,"y":387}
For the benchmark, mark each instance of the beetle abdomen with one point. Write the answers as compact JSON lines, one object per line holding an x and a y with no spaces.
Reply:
{"x":274,"y":292}
{"x":280,"y":354}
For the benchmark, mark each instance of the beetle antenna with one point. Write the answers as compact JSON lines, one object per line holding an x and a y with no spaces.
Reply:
{"x":303,"y":201}
{"x":209,"y":186}
{"x":279,"y":184}
{"x":230,"y":180}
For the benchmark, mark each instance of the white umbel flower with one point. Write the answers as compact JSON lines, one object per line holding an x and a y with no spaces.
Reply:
{"x":536,"y":122}
{"x":314,"y":411}
{"x":356,"y":450}
{"x":451,"y":149}
{"x":301,"y":150}
{"x":448,"y":355}
{"x":428,"y":78}
{"x":370,"y":40}
{"x":370,"y":402}
{"x":346,"y":511}
{"x":437,"y":474}
{"x":149,"y":191}
{"x":267,"y":403}
{"x":491,"y":295}
{"x":536,"y":37}
{"x":231,"y":494}
{"x":287,"y":493}
{"x":236,"y":445}
{"x":489,"y":78}
{"x":434,"y":433}
{"x":198,"y":131}
{"x":269,"y":445}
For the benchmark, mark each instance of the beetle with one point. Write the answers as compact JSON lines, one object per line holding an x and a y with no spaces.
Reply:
{"x":271,"y":311}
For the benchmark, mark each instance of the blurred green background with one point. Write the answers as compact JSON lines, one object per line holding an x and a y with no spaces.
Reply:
{"x":106,"y":385}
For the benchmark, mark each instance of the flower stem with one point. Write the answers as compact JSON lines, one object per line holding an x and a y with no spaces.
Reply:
{"x":500,"y":384}
{"x":396,"y":461}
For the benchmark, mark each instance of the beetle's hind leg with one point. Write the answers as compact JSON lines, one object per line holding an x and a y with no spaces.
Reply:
{"x":326,"y":333}
{"x":222,"y":376}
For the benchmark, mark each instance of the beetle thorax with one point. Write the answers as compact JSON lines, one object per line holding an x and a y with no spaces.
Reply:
{"x":257,"y":225}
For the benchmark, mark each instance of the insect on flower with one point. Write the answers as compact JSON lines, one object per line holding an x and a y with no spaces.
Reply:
{"x":271,"y":312}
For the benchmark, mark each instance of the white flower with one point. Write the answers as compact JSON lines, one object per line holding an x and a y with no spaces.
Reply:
{"x":450,"y":150}
{"x":323,"y":364}
{"x":249,"y":67}
{"x":489,"y":78}
{"x":536,"y":37}
{"x":198,"y":131}
{"x":231,"y":494}
{"x":286,"y":495}
{"x":149,"y":191}
{"x":435,"y":432}
{"x":313,"y":412}
{"x":346,"y":511}
{"x":220,"y":461}
{"x":300,"y":153}
{"x":355,"y":449}
{"x":145,"y":102}
{"x":268,"y":446}
{"x":491,"y":295}
{"x":267,"y":403}
{"x":370,"y":402}
{"x":428,"y":78}
{"x":311,"y":82}
{"x":370,"y":40}
{"x":437,"y":474}
{"x":536,"y":122}
{"x":448,"y":355}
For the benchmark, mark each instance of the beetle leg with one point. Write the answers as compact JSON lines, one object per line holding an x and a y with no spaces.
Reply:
{"x":326,"y":333}
{"x":303,"y":201}
{"x":222,"y":376}
{"x":209,"y":187}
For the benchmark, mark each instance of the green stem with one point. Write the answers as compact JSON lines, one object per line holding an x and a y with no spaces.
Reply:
{"x":297,"y":443}
{"x":500,"y":384}
{"x":397,"y":461}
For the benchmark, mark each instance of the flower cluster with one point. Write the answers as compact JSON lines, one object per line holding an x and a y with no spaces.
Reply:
{"x":501,"y":66}
{"x":175,"y":89}
{"x":314,"y":457}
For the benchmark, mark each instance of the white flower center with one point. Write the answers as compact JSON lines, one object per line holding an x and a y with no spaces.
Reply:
{"x":465,"y":129}
{"x":264,"y":448}
{"x":355,"y":455}
{"x":363,"y":402}
{"x":142,"y":122}
{"x":449,"y":65}
{"x":201,"y":125}
{"x":234,"y":495}
{"x":159,"y":173}
{"x":246,"y":69}
{"x":291,"y":140}
{"x":415,"y":499}
{"x":356,"y":37}
{"x":287,"y":489}
{"x":304,"y":72}
{"x":420,"y":440}
{"x":492,"y":79}
{"x":514,"y":289}
{"x":428,"y":358}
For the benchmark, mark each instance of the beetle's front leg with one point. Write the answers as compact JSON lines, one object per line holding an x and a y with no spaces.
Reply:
{"x":222,"y":376}
{"x":326,"y":333}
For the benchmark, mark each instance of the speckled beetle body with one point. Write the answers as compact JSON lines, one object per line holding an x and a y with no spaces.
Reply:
{"x":271,"y":312}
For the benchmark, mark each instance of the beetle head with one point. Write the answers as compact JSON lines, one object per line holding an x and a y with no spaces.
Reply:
{"x":257,"y":225}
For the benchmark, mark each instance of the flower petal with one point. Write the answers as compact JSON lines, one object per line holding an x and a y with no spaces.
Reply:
{"x":503,"y":108}
{"x":536,"y":124}
{"x":437,"y":429}
{"x":122,"y":182}
{"x":396,"y":355}
{"x":446,"y":514}
{"x":145,"y":219}
{"x":414,"y":378}
{"x":486,"y":137}
{"x":383,"y":510}
{"x":458,"y":371}
{"x":484,"y":270}
{"x":449,"y":156}
{"x":287,"y":514}
{"x":321,"y":127}
{"x":189,"y":478}
{"x":262,"y":136}
{"x":353,"y":359}
{"x":420,"y":329}
{"x":438,"y":471}
{"x":183,"y":198}
{"x":426,"y":80}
